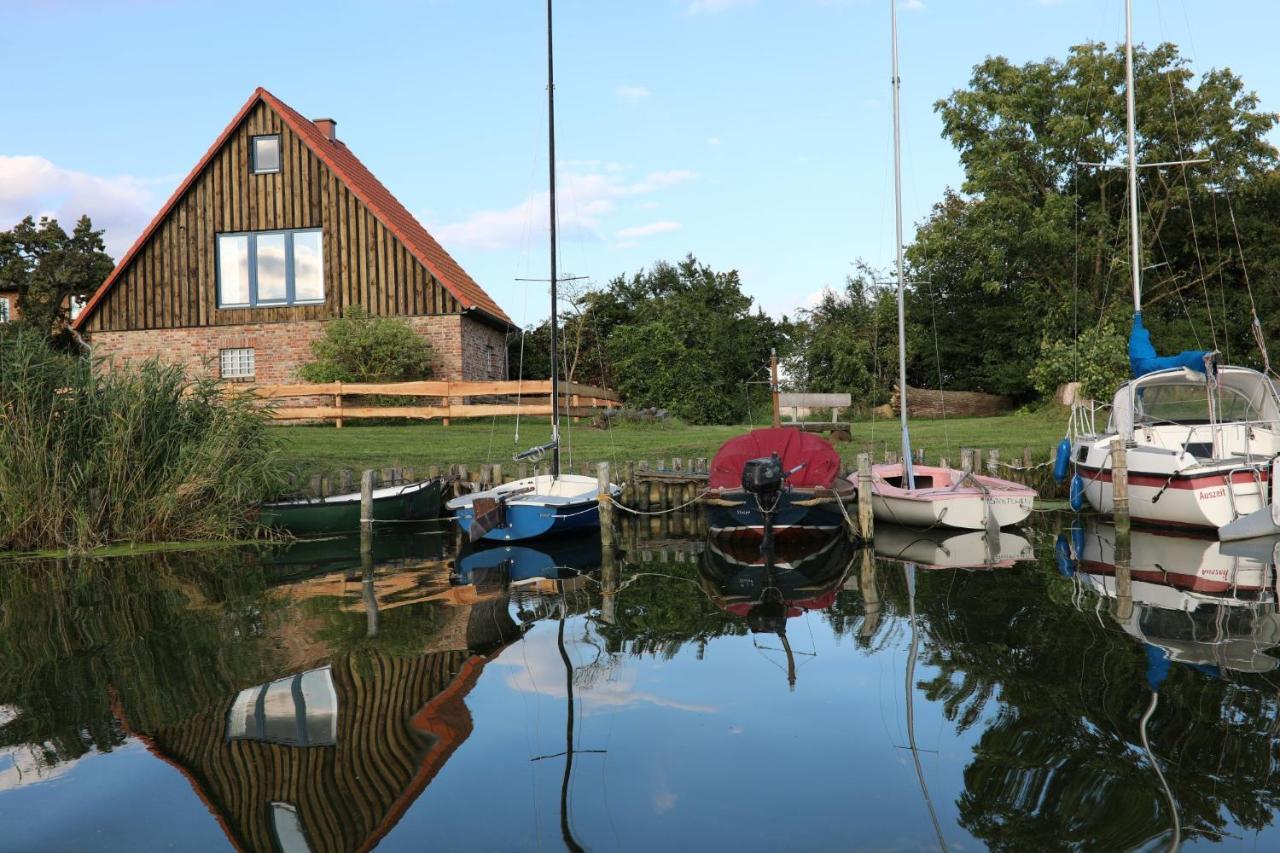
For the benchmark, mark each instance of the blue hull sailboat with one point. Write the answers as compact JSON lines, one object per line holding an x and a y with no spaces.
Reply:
{"x":544,"y":504}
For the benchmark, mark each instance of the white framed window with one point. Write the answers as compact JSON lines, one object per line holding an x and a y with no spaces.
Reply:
{"x":300,"y":710}
{"x":270,"y":268}
{"x":4,"y":309}
{"x":236,"y":363}
{"x":265,"y":151}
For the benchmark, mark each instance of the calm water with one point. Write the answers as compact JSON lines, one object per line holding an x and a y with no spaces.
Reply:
{"x":1013,"y":695}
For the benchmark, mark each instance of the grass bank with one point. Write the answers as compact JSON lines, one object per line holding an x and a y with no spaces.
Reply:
{"x":324,"y":449}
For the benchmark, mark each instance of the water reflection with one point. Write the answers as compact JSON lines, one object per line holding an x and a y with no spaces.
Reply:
{"x":552,"y":696}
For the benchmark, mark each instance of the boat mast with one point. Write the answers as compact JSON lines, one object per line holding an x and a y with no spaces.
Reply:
{"x":551,"y":168}
{"x":1135,"y":249}
{"x":909,"y":474}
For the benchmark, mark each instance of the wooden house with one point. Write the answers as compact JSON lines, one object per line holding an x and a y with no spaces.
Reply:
{"x":278,"y":229}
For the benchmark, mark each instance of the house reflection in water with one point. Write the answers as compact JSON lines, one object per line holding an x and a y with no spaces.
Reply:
{"x":281,"y":770}
{"x":332,"y":757}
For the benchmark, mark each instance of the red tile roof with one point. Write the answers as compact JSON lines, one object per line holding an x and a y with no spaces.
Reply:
{"x":357,"y":178}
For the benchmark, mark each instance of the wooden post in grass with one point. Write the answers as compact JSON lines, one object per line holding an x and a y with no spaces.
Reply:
{"x":366,"y":512}
{"x":866,"y":516}
{"x":337,"y":404}
{"x":966,"y":460}
{"x":993,"y":461}
{"x":773,"y":388}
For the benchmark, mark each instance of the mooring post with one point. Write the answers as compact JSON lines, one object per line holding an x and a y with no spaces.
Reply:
{"x":368,"y":593}
{"x":1123,"y":607}
{"x":1120,"y":489}
{"x":366,"y":511}
{"x":608,"y":561}
{"x":773,"y":388}
{"x":993,"y":461}
{"x":605,"y":500}
{"x":966,"y":460}
{"x":866,"y":516}
{"x":870,"y":597}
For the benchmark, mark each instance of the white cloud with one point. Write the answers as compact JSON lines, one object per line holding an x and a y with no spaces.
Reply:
{"x":584,"y":200}
{"x":633,"y":93}
{"x":710,"y":7}
{"x":35,"y":186}
{"x":637,"y":231}
{"x":913,"y":5}
{"x":713,"y":141}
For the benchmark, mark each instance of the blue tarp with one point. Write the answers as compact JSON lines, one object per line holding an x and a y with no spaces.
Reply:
{"x":1143,"y":358}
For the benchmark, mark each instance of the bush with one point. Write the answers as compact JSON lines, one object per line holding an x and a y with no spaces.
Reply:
{"x":139,"y":455}
{"x":361,"y":348}
{"x":1098,"y":360}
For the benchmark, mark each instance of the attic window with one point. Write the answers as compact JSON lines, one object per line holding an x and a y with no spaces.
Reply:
{"x":266,"y":154}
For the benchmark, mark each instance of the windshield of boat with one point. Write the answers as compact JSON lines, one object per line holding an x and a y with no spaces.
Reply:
{"x":1189,"y":404}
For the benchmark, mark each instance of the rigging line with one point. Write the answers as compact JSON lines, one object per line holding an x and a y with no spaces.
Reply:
{"x":1191,"y":215}
{"x":1177,"y":291}
{"x":1244,"y":268}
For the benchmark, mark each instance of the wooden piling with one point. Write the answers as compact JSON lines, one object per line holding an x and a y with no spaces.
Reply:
{"x":966,"y":460}
{"x":366,"y":511}
{"x":866,"y":515}
{"x":1120,"y":488}
{"x":993,"y":461}
{"x":605,"y":499}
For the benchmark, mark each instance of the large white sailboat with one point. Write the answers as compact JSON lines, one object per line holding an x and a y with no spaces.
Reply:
{"x":1199,"y":436}
{"x":929,"y":495}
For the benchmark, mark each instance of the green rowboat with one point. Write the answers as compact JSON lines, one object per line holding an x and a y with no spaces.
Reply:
{"x":341,"y":513}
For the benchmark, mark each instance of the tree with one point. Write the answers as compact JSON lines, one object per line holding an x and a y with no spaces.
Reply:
{"x":680,"y":336}
{"x":361,"y":348}
{"x":49,"y":268}
{"x":1035,"y":248}
{"x":848,"y":342}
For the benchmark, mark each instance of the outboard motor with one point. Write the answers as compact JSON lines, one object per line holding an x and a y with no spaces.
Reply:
{"x":763,"y":478}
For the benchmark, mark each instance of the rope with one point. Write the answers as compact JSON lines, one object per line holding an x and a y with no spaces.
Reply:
{"x":626,"y":508}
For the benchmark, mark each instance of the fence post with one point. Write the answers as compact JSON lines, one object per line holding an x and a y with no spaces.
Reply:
{"x":993,"y":461}
{"x":866,"y":515}
{"x":337,"y":402}
{"x":966,"y":460}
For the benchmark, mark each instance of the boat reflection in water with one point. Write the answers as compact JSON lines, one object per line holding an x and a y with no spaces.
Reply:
{"x":768,"y":581}
{"x":1199,"y":601}
{"x":942,"y":548}
{"x":550,"y":559}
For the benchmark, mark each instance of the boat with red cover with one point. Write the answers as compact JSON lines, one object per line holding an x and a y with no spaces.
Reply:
{"x":810,"y":494}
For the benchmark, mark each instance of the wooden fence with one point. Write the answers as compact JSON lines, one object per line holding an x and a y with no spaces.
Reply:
{"x":434,"y":399}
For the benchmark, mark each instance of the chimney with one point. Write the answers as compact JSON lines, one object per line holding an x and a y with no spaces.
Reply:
{"x":328,"y":127}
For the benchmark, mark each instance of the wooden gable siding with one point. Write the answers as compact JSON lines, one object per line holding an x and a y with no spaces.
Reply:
{"x":172,"y":282}
{"x":347,"y":795}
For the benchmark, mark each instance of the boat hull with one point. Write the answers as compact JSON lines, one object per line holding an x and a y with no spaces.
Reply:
{"x":341,"y":513}
{"x":1202,"y":499}
{"x":531,"y":521}
{"x":948,"y":498}
{"x":738,"y":508}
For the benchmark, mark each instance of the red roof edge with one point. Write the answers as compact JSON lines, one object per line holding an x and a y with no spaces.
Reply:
{"x":389,"y":212}
{"x":165,"y":209}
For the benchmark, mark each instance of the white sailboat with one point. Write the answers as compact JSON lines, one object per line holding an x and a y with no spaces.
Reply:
{"x":1199,"y":436}
{"x":930,"y":495}
{"x":549,"y":503}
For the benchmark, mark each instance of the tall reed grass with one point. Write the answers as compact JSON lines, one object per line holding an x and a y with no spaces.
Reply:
{"x":90,"y":457}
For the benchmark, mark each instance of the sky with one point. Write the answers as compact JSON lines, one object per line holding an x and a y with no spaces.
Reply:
{"x":755,"y":134}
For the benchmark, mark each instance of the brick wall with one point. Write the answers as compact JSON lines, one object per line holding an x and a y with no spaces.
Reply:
{"x":458,"y":347}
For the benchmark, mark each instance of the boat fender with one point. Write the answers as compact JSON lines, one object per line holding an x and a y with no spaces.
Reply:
{"x":1062,"y":461}
{"x":1077,"y":493}
{"x":1062,"y":553}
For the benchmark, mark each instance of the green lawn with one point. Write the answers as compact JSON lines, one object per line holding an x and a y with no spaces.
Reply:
{"x":325,"y":449}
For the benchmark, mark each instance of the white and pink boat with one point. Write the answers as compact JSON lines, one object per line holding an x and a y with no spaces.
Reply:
{"x":928,"y":495}
{"x":944,"y":497}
